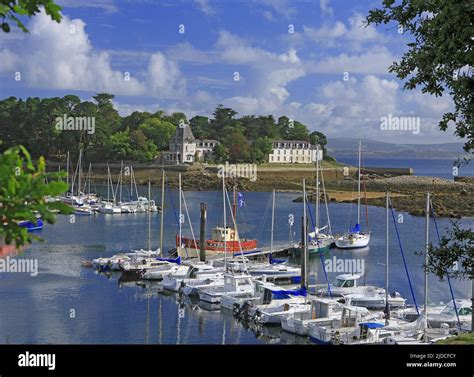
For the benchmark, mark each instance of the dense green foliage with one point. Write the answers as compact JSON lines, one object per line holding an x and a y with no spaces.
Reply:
{"x":456,"y":248}
{"x":441,"y":56}
{"x":139,"y":136}
{"x":11,"y":10}
{"x":23,"y":189}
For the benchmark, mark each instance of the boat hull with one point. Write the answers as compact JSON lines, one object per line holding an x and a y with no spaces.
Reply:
{"x":356,"y":242}
{"x":191,"y":248}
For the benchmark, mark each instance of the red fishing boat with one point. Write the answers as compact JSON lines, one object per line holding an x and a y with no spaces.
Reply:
{"x":215,"y":244}
{"x":221,"y":239}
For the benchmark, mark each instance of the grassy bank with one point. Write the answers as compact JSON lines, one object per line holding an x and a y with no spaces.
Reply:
{"x":462,"y":339}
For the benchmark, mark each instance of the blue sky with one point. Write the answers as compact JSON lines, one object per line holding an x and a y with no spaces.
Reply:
{"x":299,"y":74}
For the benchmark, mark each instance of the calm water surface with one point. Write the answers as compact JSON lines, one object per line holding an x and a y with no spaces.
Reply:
{"x":38,"y":309}
{"x":442,"y":168}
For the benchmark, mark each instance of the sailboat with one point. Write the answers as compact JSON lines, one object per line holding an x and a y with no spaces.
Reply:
{"x":90,"y":197}
{"x":355,"y":238}
{"x":70,"y":198}
{"x":108,"y":206}
{"x":319,"y":241}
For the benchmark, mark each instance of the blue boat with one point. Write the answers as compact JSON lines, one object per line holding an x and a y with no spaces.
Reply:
{"x":31,"y":226}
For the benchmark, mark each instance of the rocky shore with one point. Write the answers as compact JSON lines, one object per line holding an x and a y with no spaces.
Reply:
{"x":452,"y":199}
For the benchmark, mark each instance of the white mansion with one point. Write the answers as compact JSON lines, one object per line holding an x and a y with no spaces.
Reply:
{"x":185,"y":148}
{"x":293,"y":151}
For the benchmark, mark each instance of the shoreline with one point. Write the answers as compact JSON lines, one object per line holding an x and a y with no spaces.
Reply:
{"x":451,"y":199}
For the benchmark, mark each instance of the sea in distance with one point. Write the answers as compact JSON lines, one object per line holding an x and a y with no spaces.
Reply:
{"x":69,"y":304}
{"x":442,"y":168}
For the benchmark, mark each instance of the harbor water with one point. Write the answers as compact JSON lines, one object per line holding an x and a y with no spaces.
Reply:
{"x":68,"y":304}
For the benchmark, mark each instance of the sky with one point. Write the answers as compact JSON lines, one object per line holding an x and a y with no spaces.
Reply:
{"x":313,"y":61}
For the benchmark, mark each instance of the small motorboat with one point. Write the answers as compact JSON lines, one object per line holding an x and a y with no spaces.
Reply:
{"x":31,"y":226}
{"x":440,"y":314}
{"x":187,"y":274}
{"x":234,"y":283}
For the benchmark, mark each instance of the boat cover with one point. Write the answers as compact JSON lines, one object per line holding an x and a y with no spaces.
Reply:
{"x":172,"y":260}
{"x":356,"y":229}
{"x":372,"y":325}
{"x":283,"y":294}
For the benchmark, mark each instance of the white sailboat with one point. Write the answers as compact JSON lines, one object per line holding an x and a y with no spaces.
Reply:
{"x":321,"y":239}
{"x":108,"y":206}
{"x":355,"y":238}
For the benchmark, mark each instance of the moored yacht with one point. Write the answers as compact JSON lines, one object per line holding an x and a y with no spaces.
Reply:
{"x":234,"y":283}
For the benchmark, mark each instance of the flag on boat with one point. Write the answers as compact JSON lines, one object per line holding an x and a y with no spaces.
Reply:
{"x":240,"y":200}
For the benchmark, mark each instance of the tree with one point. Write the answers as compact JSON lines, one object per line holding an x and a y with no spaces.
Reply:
{"x":134,"y":120}
{"x":159,"y":131}
{"x":175,"y":118}
{"x":201,"y":128}
{"x":260,"y":149}
{"x":454,"y":249}
{"x":10,"y":9}
{"x":118,"y":146}
{"x":440,"y":58}
{"x":108,"y":119}
{"x":237,"y":146}
{"x":317,"y":137}
{"x":23,"y":190}
{"x":143,"y":150}
{"x":220,"y":153}
{"x":223,"y":117}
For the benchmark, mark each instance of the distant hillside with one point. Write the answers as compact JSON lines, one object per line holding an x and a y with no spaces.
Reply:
{"x":347,"y":147}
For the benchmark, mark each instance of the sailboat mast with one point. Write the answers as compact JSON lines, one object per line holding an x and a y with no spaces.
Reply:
{"x":90,"y":178}
{"x":427,"y":246}
{"x":225,"y":225}
{"x":121,"y":181}
{"x":131,"y":183}
{"x":162,"y":211}
{"x":108,"y":183}
{"x":358,"y":182}
{"x":80,"y":170}
{"x":273,"y":221}
{"x":149,"y":214}
{"x":304,"y":248}
{"x":234,"y":204}
{"x":180,"y":216}
{"x":317,"y":190}
{"x":386,"y":251}
{"x":67,"y":169}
